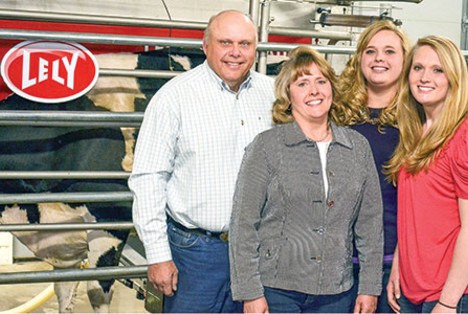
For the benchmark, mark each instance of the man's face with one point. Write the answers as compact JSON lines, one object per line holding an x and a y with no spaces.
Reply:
{"x":230,"y":48}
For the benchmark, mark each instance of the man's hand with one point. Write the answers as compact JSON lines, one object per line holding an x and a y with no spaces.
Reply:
{"x":259,"y":305}
{"x":365,"y":304}
{"x":163,"y":276}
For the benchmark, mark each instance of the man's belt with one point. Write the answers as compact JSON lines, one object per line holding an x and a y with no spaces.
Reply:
{"x":223,"y":236}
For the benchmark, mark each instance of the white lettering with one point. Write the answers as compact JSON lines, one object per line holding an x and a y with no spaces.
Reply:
{"x":43,"y":69}
{"x":27,"y":81}
{"x":55,"y":72}
{"x":70,"y":68}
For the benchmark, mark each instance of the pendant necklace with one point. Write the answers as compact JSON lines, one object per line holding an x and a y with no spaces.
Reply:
{"x":319,"y":140}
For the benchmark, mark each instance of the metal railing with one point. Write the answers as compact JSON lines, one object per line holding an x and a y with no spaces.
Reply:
{"x":66,"y":226}
{"x":6,"y":33}
{"x":59,"y":275}
{"x":47,"y":175}
{"x":70,"y":118}
{"x":66,"y":197}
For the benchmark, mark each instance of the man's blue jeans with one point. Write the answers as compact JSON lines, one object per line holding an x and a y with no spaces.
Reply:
{"x":204,"y":282}
{"x":286,"y":301}
{"x":406,"y":306}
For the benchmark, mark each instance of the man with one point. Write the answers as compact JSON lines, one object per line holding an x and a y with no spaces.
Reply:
{"x":187,"y":157}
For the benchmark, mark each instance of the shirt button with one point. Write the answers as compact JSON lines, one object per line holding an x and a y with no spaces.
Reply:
{"x":317,"y":259}
{"x":319,"y":230}
{"x":330,"y":204}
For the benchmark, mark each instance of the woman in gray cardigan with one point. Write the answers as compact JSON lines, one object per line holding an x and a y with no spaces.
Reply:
{"x":306,"y":188}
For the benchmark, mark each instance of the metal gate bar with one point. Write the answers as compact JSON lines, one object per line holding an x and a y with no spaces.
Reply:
{"x":101,"y":273}
{"x":147,"y":40}
{"x":70,"y":118}
{"x":66,"y":197}
{"x":48,"y":175}
{"x":66,"y":227}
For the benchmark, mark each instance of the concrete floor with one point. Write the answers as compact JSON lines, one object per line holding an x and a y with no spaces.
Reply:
{"x":124,"y":300}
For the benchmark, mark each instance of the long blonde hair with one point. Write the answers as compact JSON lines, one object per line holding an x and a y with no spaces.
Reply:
{"x":352,"y":83}
{"x":415,"y":152}
{"x":298,"y":64}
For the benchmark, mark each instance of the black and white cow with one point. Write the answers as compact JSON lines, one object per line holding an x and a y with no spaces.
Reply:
{"x":37,"y":148}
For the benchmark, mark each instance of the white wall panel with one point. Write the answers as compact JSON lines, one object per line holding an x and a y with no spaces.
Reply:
{"x":431,"y":17}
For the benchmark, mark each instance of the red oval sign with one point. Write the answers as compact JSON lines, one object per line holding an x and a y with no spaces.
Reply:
{"x":49,"y":71}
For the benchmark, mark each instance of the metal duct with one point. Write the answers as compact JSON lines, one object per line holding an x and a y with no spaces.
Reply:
{"x":327,"y":19}
{"x":349,"y":2}
{"x":413,"y":1}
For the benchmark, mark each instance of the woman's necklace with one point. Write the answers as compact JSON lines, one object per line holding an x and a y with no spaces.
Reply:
{"x":373,"y":116}
{"x":321,"y":139}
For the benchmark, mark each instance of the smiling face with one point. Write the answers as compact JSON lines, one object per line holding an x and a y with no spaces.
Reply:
{"x":382,"y":60}
{"x":230,"y":48}
{"x":428,"y":81}
{"x":311,"y":97}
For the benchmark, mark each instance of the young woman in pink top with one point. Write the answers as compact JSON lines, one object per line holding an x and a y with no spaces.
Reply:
{"x":430,"y":167}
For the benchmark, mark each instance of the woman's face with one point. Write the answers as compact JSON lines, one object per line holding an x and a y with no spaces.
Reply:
{"x":382,"y":60}
{"x":311,"y":96}
{"x":427,"y":79}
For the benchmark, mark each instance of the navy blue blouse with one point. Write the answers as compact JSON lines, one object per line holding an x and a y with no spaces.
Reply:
{"x":383,"y":145}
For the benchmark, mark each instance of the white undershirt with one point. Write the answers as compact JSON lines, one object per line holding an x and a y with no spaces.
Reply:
{"x":323,"y":149}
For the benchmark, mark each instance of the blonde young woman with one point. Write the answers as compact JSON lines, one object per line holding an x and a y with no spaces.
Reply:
{"x":368,"y":87}
{"x":430,"y":167}
{"x":305,"y":189}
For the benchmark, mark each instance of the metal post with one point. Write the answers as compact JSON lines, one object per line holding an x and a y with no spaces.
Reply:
{"x":264,"y":24}
{"x":464,"y":26}
{"x":254,"y":6}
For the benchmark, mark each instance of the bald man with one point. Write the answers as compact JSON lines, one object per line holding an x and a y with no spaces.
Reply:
{"x":187,"y":157}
